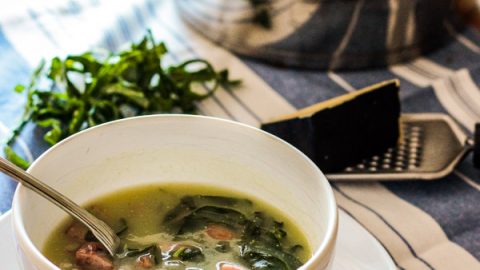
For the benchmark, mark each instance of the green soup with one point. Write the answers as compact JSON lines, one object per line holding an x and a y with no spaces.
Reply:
{"x":182,"y":227}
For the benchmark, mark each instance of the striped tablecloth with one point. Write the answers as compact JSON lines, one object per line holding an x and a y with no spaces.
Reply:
{"x":423,"y":225}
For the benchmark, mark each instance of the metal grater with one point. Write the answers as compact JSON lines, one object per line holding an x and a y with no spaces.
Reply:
{"x":430,"y":147}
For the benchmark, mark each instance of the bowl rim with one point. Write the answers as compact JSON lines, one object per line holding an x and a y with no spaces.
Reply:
{"x":325,"y":249}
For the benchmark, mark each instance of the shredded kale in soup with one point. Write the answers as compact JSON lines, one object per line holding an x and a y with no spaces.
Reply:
{"x":181,"y":227}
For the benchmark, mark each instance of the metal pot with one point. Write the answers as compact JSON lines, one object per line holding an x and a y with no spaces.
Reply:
{"x":325,"y":34}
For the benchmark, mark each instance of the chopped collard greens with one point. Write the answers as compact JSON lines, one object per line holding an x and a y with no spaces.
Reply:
{"x":169,"y":227}
{"x":255,"y":239}
{"x":259,"y":238}
{"x":67,"y":95}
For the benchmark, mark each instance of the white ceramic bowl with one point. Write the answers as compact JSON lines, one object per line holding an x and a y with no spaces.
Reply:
{"x":168,"y":148}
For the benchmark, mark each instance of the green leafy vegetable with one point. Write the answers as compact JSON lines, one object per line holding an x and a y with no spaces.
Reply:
{"x":203,"y":216}
{"x":261,"y":238}
{"x":15,"y":158}
{"x":151,"y":251}
{"x":81,"y":91}
{"x":195,"y":212}
{"x":223,"y":246}
{"x":263,"y":257}
{"x":187,"y":253}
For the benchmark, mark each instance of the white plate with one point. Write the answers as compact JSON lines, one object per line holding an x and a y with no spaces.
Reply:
{"x":356,"y":248}
{"x":8,"y":255}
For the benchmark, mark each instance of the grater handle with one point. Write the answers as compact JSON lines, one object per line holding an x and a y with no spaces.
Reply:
{"x":476,"y":146}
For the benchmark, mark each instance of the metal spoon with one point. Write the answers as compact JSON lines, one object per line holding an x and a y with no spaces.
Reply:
{"x":102,"y":231}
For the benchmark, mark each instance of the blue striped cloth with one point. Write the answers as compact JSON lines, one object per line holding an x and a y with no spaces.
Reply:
{"x":423,"y":225}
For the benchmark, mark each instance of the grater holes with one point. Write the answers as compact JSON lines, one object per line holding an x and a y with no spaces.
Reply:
{"x":416,"y":129}
{"x":412,"y":157}
{"x":361,"y":166}
{"x":415,"y":135}
{"x":409,"y":151}
{"x":406,"y":156}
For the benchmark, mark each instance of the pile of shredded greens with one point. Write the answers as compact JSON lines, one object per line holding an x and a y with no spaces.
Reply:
{"x":81,"y":91}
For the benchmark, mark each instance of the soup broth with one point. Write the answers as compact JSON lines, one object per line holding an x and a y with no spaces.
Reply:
{"x":181,"y":227}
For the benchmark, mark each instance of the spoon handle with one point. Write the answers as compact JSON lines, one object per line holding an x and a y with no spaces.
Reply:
{"x":101,"y":230}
